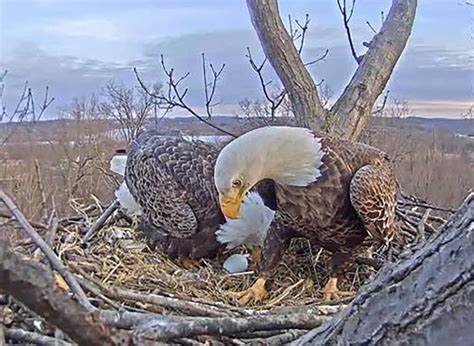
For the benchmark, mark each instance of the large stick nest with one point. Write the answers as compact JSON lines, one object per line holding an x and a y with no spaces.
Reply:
{"x":118,"y":271}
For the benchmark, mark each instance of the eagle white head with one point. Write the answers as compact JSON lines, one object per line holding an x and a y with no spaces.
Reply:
{"x":287,"y":155}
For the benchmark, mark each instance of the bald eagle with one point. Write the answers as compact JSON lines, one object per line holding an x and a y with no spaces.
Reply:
{"x":172,"y":180}
{"x":331,"y":191}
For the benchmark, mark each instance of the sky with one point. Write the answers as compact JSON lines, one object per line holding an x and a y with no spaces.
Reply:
{"x":75,"y":47}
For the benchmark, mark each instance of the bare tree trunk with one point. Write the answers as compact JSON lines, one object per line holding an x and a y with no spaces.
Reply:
{"x":349,"y":114}
{"x":427,"y":299}
{"x":354,"y":107}
{"x":285,"y":59}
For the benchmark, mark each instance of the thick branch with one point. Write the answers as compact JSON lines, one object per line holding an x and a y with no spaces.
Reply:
{"x":356,"y":102}
{"x":23,"y":336}
{"x":436,"y":286}
{"x":49,"y":253}
{"x":285,"y":59}
{"x":31,"y":284}
{"x":166,"y":329}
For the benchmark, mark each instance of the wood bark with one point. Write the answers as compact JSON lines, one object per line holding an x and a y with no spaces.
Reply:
{"x":427,"y":299}
{"x":286,"y":61}
{"x":349,"y":114}
{"x":33,"y":285}
{"x":354,"y":106}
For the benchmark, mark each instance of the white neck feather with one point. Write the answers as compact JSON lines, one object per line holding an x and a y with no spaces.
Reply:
{"x":287,"y":155}
{"x":252,"y":226}
{"x":118,"y":163}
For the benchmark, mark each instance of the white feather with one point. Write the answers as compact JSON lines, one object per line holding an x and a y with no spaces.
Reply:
{"x":126,"y":200}
{"x":251,"y":227}
{"x":118,"y":163}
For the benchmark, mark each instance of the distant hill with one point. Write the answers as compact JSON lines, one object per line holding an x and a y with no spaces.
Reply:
{"x":193,"y":126}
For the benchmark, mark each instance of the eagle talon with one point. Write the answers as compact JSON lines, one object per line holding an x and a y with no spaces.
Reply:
{"x":256,"y":254}
{"x":255,"y":293}
{"x":331,"y":292}
{"x":189,"y":263}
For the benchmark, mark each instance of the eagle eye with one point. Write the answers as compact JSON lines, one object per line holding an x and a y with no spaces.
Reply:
{"x":236,"y":183}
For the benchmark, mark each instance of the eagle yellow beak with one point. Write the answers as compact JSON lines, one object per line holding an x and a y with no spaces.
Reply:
{"x":230,"y":203}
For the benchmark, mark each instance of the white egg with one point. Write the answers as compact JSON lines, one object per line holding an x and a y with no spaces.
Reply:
{"x":236,"y":264}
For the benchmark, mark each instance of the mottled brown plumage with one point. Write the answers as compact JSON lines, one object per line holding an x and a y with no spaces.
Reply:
{"x":353,"y":197}
{"x":172,"y":180}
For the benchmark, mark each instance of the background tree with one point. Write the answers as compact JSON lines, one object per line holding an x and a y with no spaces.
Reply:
{"x":349,"y":114}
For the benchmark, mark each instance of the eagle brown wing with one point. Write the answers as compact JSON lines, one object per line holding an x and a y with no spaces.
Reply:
{"x":373,"y":196}
{"x":171,"y":179}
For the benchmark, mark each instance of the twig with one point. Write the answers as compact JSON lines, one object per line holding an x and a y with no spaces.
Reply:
{"x":427,"y":205}
{"x":379,"y":110}
{"x":97,"y":292}
{"x":49,"y":253}
{"x":276,"y":100}
{"x":346,"y":16}
{"x":433,"y":218}
{"x":321,"y":58}
{"x":285,"y":293}
{"x":215,"y":76}
{"x":191,"y":308}
{"x":422,"y":223}
{"x":51,"y":233}
{"x":176,"y":98}
{"x":34,"y":224}
{"x":97,"y":225}
{"x":39,"y":178}
{"x":282,"y":339}
{"x":23,"y":336}
{"x":2,"y":335}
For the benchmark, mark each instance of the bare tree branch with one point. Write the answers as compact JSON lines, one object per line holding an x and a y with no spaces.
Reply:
{"x":346,"y":16}
{"x":356,"y":102}
{"x":23,"y":336}
{"x":286,"y":61}
{"x":209,"y":95}
{"x":277,"y":99}
{"x":24,"y":109}
{"x":174,"y":97}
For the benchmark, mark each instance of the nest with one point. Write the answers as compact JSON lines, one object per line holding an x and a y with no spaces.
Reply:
{"x":119,"y":272}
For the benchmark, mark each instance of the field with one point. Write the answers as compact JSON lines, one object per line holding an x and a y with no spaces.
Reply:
{"x":62,"y":164}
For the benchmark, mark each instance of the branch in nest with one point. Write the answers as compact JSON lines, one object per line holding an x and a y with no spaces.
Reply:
{"x":168,"y":329}
{"x":31,"y":284}
{"x":187,"y":307}
{"x":99,"y":223}
{"x":49,"y":253}
{"x":23,"y":336}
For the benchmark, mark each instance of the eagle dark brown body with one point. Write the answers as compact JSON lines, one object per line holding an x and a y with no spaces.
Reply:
{"x":172,"y":180}
{"x":333,"y":192}
{"x":353,"y":198}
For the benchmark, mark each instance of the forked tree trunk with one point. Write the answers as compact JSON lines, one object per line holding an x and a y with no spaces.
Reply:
{"x":349,"y":114}
{"x":286,"y":61}
{"x":427,"y":299}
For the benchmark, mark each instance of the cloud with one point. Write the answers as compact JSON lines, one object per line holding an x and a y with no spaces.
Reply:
{"x":425,"y":73}
{"x":85,"y":27}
